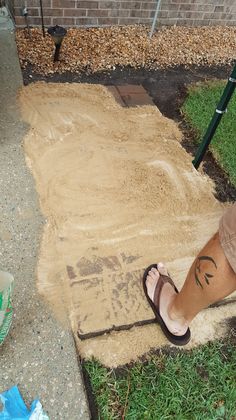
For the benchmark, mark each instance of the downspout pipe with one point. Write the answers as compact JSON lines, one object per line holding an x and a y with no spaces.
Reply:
{"x":219,"y":112}
{"x":155,"y":18}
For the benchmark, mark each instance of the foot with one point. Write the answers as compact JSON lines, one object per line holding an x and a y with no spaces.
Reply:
{"x":176,"y":325}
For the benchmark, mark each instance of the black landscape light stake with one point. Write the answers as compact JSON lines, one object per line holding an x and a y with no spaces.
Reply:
{"x":57,"y":33}
{"x":42,"y":19}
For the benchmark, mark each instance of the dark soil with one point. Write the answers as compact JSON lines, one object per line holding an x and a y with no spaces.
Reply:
{"x":168,"y":88}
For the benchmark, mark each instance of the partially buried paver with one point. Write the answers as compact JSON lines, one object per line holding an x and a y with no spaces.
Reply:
{"x":114,"y":91}
{"x":131,"y":95}
{"x":121,"y":305}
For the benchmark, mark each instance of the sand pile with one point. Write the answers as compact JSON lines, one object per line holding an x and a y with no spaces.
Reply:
{"x":118,"y":192}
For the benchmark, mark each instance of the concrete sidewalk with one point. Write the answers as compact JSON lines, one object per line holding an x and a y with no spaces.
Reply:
{"x":38,"y":355}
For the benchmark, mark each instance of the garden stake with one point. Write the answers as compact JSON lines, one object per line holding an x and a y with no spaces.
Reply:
{"x":220,"y":110}
{"x":41,"y":9}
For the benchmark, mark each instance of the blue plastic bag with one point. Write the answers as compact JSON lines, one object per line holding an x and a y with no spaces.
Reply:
{"x":14,"y":407}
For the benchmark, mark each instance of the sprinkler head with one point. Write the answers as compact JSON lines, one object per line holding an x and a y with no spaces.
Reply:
{"x":57,"y":33}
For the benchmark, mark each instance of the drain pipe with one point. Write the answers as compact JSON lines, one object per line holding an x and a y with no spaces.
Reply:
{"x":155,"y":18}
{"x":42,"y":18}
{"x":219,"y":112}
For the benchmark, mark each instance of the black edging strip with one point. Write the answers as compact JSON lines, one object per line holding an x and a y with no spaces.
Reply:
{"x":88,"y":390}
{"x":92,"y":403}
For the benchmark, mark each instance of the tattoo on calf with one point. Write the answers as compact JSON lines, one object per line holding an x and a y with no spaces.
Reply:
{"x":200,"y":274}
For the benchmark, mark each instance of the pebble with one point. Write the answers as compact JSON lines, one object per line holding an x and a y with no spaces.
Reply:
{"x":100,"y":49}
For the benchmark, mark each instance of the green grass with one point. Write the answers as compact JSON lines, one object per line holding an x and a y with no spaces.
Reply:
{"x":200,"y":384}
{"x":198,"y":110}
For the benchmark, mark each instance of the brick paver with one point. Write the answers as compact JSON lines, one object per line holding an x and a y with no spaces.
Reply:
{"x":116,"y":95}
{"x":131,"y":89}
{"x":131,"y":95}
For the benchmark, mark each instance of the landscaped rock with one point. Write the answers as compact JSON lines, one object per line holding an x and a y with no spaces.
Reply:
{"x":97,"y":49}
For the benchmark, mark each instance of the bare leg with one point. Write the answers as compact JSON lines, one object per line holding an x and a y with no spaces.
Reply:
{"x":210,"y":279}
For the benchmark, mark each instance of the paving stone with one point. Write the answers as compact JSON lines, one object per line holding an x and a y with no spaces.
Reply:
{"x":131,"y":95}
{"x":131,"y":89}
{"x":136,"y":99}
{"x":117,"y":307}
{"x":116,"y":95}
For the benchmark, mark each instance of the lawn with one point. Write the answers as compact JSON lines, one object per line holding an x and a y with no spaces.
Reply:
{"x":198,"y":384}
{"x":198,"y":109}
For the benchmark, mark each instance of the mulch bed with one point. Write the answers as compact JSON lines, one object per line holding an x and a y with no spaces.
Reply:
{"x":92,"y":50}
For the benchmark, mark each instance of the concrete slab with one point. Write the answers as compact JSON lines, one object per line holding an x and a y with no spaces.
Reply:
{"x":39,"y":354}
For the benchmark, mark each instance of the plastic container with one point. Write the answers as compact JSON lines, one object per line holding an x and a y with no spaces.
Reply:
{"x":6,"y":289}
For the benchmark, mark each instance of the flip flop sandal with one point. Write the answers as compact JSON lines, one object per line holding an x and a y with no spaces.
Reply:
{"x":181,"y":340}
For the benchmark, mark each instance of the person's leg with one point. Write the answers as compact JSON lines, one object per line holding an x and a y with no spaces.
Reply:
{"x":211,"y":278}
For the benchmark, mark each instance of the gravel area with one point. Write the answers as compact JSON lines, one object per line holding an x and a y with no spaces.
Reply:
{"x":97,"y":49}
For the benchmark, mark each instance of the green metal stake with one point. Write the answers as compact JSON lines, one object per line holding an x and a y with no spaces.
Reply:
{"x":220,"y":110}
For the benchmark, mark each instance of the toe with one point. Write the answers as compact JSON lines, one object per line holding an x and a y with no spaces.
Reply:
{"x":151,"y":283}
{"x":162,"y":269}
{"x":155,"y":271}
{"x":154,"y":274}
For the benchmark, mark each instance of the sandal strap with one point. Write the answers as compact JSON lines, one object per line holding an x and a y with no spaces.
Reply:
{"x":161,"y":281}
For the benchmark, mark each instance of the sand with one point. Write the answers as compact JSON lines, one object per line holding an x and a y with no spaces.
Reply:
{"x":118,"y":192}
